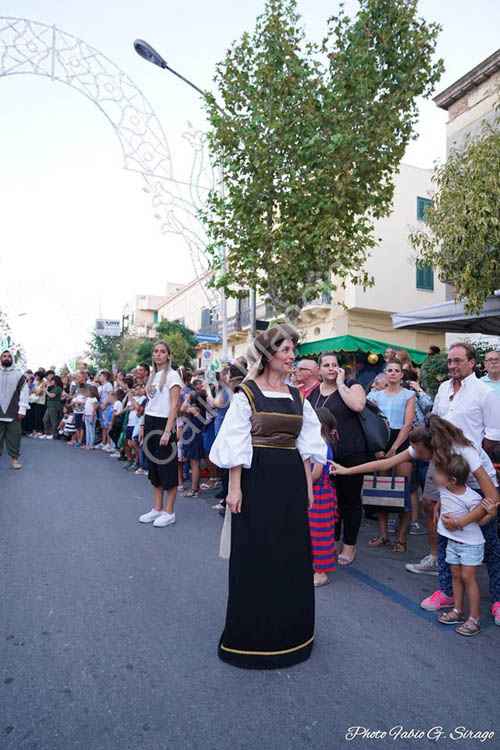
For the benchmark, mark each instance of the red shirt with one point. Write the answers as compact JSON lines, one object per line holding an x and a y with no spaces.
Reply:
{"x":307,"y":391}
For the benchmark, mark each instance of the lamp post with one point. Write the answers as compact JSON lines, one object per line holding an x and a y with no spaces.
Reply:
{"x":146,"y":51}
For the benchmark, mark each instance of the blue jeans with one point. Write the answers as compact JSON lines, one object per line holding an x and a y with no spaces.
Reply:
{"x":89,"y":431}
{"x":491,"y":558}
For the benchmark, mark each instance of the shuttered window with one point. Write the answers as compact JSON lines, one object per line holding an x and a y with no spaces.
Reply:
{"x":425,"y":278}
{"x":421,"y":204}
{"x":206,"y":317}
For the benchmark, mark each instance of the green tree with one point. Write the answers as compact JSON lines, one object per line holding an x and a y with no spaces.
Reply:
{"x":103,"y":350}
{"x":309,"y":141}
{"x":462,"y":236}
{"x":172,"y":331}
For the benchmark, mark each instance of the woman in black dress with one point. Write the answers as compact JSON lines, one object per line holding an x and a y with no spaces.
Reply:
{"x":266,"y":440}
{"x":345,"y":403}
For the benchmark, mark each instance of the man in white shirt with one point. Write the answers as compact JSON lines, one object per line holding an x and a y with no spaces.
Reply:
{"x":469,"y":404}
{"x":492,"y":367}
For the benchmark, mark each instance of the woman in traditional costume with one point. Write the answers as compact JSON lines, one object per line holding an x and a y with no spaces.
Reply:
{"x":266,"y":441}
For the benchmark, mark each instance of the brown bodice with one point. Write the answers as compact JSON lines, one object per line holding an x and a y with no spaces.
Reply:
{"x":276,"y":422}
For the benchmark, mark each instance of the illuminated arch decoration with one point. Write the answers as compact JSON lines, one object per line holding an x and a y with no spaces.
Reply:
{"x":33,"y":48}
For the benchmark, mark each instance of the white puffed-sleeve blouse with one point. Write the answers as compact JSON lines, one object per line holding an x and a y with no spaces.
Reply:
{"x":233,"y":444}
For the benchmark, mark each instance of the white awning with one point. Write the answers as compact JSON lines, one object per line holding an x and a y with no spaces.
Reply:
{"x":451,"y":317}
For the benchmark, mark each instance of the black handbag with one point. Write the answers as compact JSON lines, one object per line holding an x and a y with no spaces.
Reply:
{"x":376,"y":428}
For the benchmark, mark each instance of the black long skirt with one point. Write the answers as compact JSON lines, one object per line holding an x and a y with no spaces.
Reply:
{"x":162,"y":459}
{"x":270,"y":610}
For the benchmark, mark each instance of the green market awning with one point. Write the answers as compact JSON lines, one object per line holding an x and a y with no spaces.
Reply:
{"x":354,"y":344}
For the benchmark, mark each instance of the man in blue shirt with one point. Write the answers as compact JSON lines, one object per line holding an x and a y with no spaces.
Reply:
{"x":492,"y":367}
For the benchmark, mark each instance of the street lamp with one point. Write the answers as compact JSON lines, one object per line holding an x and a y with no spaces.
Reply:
{"x":146,"y":51}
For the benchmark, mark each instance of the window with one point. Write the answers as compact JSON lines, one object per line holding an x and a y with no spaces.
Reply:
{"x":421,"y":204}
{"x":155,"y":316}
{"x":425,"y":278}
{"x":206,"y":317}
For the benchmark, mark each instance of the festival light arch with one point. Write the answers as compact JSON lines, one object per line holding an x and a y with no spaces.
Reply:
{"x":32,"y":48}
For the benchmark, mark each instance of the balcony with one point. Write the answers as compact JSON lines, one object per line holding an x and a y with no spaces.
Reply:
{"x":316,"y":309}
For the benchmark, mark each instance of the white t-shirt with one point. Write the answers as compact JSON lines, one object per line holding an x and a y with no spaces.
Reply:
{"x":104,"y":390}
{"x":159,"y":401}
{"x":474,"y":460}
{"x":459,"y":505}
{"x":133,"y":417}
{"x":79,"y":403}
{"x":89,"y":404}
{"x":117,"y":406}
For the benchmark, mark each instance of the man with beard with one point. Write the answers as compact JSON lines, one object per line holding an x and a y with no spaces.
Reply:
{"x":13,"y":405}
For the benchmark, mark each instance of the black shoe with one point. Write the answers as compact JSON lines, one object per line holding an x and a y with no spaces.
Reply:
{"x":122,"y":458}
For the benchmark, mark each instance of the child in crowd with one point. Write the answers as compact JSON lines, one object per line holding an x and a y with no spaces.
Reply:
{"x":78,"y":405}
{"x":89,"y":413}
{"x":192,"y":438}
{"x":116,"y":423}
{"x":465,"y":548}
{"x":324,"y":513}
{"x":106,"y":415}
{"x":135,"y":407}
{"x":66,"y":427}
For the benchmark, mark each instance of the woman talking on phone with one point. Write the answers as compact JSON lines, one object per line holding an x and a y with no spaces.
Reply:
{"x":344,"y":401}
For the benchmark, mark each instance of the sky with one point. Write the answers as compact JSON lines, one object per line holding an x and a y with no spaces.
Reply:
{"x":78,"y":234}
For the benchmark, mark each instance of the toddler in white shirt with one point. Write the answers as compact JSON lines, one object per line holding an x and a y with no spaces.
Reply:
{"x":465,"y":548}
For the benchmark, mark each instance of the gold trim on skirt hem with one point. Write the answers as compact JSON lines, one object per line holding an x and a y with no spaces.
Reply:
{"x":268,"y":653}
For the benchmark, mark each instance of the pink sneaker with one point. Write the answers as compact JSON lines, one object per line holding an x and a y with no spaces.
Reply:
{"x":438,"y":600}
{"x":495,"y":611}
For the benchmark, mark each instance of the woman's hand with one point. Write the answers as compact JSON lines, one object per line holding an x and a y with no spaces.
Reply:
{"x":379,"y":455}
{"x":450,"y":522}
{"x":337,"y":469}
{"x":340,"y":375}
{"x":165,"y":437}
{"x":310,"y":498}
{"x":390,"y":453}
{"x":234,"y":500}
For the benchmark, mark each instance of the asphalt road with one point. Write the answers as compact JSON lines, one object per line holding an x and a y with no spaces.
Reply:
{"x":109,"y":632}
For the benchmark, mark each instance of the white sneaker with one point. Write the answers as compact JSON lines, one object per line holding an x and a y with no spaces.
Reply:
{"x":42,"y":437}
{"x":427,"y":565}
{"x":151,"y":516}
{"x":165,"y":519}
{"x":49,"y":437}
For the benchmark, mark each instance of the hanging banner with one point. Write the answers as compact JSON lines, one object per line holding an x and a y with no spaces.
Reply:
{"x":105,"y":327}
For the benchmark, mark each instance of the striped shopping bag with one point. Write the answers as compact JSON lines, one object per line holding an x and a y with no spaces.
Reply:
{"x":386,"y":494}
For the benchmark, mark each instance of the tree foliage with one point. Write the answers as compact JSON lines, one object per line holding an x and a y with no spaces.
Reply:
{"x":462,"y":237}
{"x":309,"y":141}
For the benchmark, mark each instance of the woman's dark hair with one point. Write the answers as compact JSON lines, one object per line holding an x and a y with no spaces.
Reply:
{"x":326,"y":354}
{"x":438,"y":436}
{"x":94,"y":393}
{"x":39,"y":374}
{"x":106,"y":374}
{"x":120,"y":394}
{"x":394,"y":361}
{"x":197,"y":399}
{"x":129,"y":381}
{"x":328,"y":426}
{"x":434,"y":349}
{"x":58,"y":381}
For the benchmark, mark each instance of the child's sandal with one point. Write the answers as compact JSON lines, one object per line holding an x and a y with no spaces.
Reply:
{"x":469,"y":630}
{"x":453,"y":617}
{"x":378,"y":541}
{"x":399,"y":548}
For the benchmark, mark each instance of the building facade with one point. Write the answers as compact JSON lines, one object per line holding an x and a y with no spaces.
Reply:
{"x":399,"y":284}
{"x":469,"y":102}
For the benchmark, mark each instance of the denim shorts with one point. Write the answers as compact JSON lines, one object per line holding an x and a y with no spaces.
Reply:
{"x":458,"y":553}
